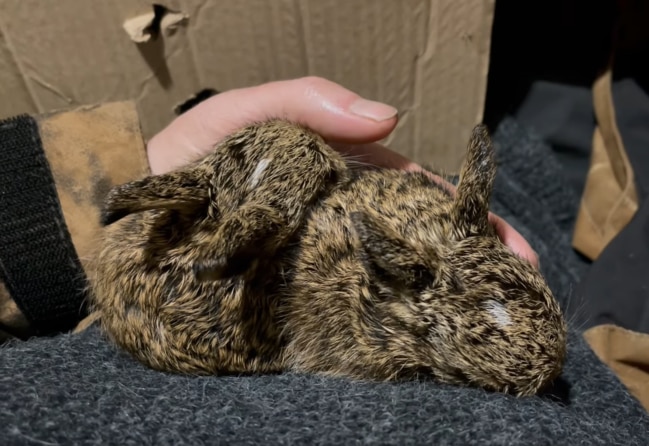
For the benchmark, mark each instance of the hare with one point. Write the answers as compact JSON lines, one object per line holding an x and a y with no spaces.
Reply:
{"x":274,"y":253}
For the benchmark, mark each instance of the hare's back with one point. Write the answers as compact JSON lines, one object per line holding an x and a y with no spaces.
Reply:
{"x":407,"y":202}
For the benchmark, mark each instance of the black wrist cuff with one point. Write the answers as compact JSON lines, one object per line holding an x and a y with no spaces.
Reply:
{"x":38,"y":261}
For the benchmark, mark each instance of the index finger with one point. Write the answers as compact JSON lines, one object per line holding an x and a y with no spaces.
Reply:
{"x":334,"y":112}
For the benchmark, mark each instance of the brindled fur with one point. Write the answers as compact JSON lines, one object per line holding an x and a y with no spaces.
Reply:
{"x":274,"y":253}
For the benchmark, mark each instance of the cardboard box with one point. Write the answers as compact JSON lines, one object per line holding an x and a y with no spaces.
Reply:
{"x":429,"y":58}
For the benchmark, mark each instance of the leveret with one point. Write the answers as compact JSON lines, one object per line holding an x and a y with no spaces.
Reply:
{"x":275,"y":253}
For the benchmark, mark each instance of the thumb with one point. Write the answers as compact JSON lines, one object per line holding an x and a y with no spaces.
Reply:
{"x":334,"y":112}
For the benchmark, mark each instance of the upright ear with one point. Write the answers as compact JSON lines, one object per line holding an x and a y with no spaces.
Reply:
{"x":390,"y":257}
{"x":175,"y":190}
{"x":475,"y":186}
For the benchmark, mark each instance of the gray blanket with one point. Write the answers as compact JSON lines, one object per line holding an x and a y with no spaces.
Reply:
{"x":77,"y":389}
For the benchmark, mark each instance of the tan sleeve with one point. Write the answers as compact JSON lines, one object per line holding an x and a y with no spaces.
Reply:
{"x":609,"y":200}
{"x":626,"y":353}
{"x":89,"y":150}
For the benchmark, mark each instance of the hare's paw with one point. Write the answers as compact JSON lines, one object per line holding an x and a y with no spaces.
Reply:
{"x":247,"y":234}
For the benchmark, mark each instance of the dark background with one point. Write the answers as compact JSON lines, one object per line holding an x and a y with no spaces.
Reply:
{"x":545,"y":58}
{"x":559,"y":41}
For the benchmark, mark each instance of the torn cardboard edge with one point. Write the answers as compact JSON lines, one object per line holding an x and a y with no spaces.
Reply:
{"x":146,"y":27}
{"x":417,"y":58}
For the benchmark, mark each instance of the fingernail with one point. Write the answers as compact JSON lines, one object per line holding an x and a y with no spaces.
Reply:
{"x":376,"y":111}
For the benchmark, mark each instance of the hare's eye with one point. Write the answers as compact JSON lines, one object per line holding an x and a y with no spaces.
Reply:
{"x":411,"y":277}
{"x":421,"y":277}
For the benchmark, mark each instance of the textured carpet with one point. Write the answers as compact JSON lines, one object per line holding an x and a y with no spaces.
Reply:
{"x":79,"y":390}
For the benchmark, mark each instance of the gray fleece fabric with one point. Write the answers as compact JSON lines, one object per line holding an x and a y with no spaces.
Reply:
{"x":77,"y":389}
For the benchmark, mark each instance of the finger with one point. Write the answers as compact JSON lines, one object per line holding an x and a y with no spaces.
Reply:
{"x":334,"y":112}
{"x":514,"y":240}
{"x":381,"y":156}
{"x":375,"y":154}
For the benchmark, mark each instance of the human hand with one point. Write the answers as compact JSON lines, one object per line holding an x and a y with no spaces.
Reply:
{"x":348,"y":122}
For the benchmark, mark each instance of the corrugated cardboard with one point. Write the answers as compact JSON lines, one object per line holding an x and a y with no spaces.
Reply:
{"x":429,"y":58}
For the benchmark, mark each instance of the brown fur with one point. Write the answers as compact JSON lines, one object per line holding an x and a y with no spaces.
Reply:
{"x":314,"y":266}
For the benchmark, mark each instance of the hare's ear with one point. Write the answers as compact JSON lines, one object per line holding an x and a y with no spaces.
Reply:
{"x":390,"y":258}
{"x":176,"y":190}
{"x":475,"y":186}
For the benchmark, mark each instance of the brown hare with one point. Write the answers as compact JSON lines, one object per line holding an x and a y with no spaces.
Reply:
{"x":274,"y":253}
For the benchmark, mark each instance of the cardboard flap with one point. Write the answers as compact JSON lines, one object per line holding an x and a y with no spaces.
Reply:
{"x":428,"y":58}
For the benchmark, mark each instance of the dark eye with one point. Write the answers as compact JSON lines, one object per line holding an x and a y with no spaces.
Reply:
{"x":421,"y":278}
{"x":412,"y":277}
